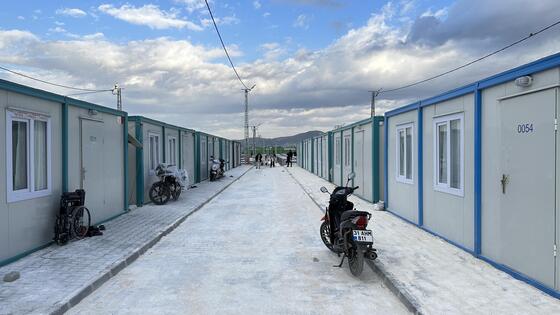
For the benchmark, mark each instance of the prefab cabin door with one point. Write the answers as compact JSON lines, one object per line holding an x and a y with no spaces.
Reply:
{"x":92,"y":165}
{"x":359,"y":161}
{"x":528,"y":184}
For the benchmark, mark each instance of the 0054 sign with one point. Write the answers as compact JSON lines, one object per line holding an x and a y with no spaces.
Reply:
{"x":525,"y":128}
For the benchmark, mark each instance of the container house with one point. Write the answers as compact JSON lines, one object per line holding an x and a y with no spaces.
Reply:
{"x":354,"y":148}
{"x":159,"y":142}
{"x":53,"y":144}
{"x":477,"y":167}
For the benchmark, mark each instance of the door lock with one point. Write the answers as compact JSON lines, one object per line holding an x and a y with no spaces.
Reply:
{"x":504,"y":181}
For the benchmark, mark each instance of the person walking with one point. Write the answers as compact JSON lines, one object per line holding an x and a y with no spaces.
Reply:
{"x":258,"y":159}
{"x":289,"y":159}
{"x":272,"y":160}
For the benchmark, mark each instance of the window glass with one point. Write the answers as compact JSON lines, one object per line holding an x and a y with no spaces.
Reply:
{"x":442,"y":153}
{"x":455,"y":153}
{"x":41,"y":155}
{"x":154,"y":151}
{"x":337,"y":150}
{"x":409,"y":153}
{"x":20,"y":130}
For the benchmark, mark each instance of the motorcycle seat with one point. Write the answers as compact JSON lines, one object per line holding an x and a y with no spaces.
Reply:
{"x":346,"y":215}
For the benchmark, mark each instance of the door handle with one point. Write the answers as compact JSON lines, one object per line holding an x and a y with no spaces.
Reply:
{"x":504,"y":181}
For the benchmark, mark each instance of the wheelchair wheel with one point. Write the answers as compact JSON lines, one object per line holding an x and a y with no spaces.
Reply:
{"x":81,"y":220}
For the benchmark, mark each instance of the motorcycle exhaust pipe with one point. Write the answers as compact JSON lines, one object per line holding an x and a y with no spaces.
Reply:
{"x":371,"y":255}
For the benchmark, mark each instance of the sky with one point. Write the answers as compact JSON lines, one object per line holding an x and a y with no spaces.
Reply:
{"x":313,"y":61}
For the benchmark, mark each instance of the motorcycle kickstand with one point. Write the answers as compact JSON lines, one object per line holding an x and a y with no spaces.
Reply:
{"x":341,"y":262}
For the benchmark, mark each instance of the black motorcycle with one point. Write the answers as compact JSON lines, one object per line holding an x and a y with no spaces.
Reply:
{"x":344,"y":229}
{"x":170,"y":184}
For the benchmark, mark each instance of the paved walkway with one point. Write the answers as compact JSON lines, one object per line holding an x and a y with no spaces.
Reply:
{"x":437,"y":277}
{"x":56,"y":277}
{"x":255,"y":249}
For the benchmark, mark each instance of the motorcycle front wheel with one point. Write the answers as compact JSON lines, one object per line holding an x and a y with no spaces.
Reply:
{"x":356,"y":260}
{"x":159,"y":193}
{"x":325,"y":231}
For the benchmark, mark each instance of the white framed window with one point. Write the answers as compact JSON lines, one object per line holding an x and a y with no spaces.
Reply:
{"x":405,"y":153}
{"x":28,"y":155}
{"x":337,"y":151}
{"x":347,"y":153}
{"x":154,"y":151}
{"x":448,"y":154}
{"x":171,"y":150}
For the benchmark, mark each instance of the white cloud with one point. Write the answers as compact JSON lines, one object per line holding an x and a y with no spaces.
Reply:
{"x":194,"y":5}
{"x":302,"y":21}
{"x":57,"y":29}
{"x":266,"y":14}
{"x":149,"y":15}
{"x":227,"y":20}
{"x":20,"y":17}
{"x":59,"y":23}
{"x":73,"y":12}
{"x":256,"y":4}
{"x":189,"y":85}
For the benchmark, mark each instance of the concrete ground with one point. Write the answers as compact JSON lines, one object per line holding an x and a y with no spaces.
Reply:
{"x":435,"y":276}
{"x":55,"y":278}
{"x":254,"y":249}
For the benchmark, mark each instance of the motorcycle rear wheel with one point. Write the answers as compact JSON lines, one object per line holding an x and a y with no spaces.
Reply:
{"x":159,"y":193}
{"x":325,"y":231}
{"x":356,"y":261}
{"x":176,"y":190}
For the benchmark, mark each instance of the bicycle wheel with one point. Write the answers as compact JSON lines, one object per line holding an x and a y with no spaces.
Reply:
{"x":81,"y":220}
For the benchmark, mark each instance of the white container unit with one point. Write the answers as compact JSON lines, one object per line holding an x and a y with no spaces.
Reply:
{"x":161,"y":143}
{"x":477,"y":166}
{"x":54,"y":144}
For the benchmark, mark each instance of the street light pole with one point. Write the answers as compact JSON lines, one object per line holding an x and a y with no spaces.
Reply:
{"x":374,"y":94}
{"x":247,"y":119}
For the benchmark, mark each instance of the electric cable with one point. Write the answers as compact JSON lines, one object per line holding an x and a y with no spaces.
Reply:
{"x":50,"y":83}
{"x":473,"y":61}
{"x":224,"y":46}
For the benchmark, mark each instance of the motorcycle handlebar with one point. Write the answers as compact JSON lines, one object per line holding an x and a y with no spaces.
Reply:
{"x":354,"y":188}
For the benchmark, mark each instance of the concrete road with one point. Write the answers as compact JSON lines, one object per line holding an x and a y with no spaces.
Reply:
{"x":255,"y":249}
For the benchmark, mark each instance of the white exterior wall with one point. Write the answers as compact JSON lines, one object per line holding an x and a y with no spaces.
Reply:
{"x":403,"y":197}
{"x":492,"y":159}
{"x":27,"y":224}
{"x":447,"y":214}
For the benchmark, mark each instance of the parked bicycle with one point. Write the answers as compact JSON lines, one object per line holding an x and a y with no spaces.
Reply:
{"x":171,"y":182}
{"x":73,"y":219}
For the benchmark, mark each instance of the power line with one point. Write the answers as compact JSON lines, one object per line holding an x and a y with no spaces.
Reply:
{"x":224,"y":46}
{"x":473,"y":61}
{"x":50,"y":83}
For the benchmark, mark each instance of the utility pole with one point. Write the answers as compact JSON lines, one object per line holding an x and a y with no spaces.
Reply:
{"x":247,"y":120}
{"x":254,"y":136}
{"x":374,"y":94}
{"x":117,"y":90}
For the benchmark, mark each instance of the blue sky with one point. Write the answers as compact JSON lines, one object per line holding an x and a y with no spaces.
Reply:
{"x":313,"y":60}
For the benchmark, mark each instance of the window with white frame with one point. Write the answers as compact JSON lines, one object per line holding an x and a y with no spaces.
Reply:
{"x":337,"y":151}
{"x":347,"y":151}
{"x":404,"y":160}
{"x":172,"y":150}
{"x":448,"y":154}
{"x":28,"y":155}
{"x":154,"y":151}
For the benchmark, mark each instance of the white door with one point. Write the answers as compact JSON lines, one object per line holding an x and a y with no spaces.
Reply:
{"x":92,"y":166}
{"x":347,"y":152}
{"x":203,"y":158}
{"x":359,"y":161}
{"x":527,"y":184}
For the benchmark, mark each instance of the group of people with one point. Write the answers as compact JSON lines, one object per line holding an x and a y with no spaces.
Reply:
{"x":270,"y":159}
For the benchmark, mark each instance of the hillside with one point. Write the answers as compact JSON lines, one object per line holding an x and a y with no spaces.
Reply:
{"x":288,"y":141}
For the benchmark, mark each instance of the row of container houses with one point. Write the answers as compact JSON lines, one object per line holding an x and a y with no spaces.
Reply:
{"x":55,"y":144}
{"x":476,"y":166}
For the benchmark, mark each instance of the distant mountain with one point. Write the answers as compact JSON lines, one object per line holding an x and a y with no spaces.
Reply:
{"x":289,"y":141}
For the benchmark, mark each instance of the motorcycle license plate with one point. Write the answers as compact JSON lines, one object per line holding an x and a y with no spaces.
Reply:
{"x":362,"y":236}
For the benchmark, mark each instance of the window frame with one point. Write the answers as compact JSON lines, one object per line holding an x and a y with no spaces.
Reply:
{"x":175,"y":149}
{"x":347,"y":148}
{"x":29,"y":117}
{"x":158,"y":136}
{"x":398,"y":177}
{"x":446,"y":187}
